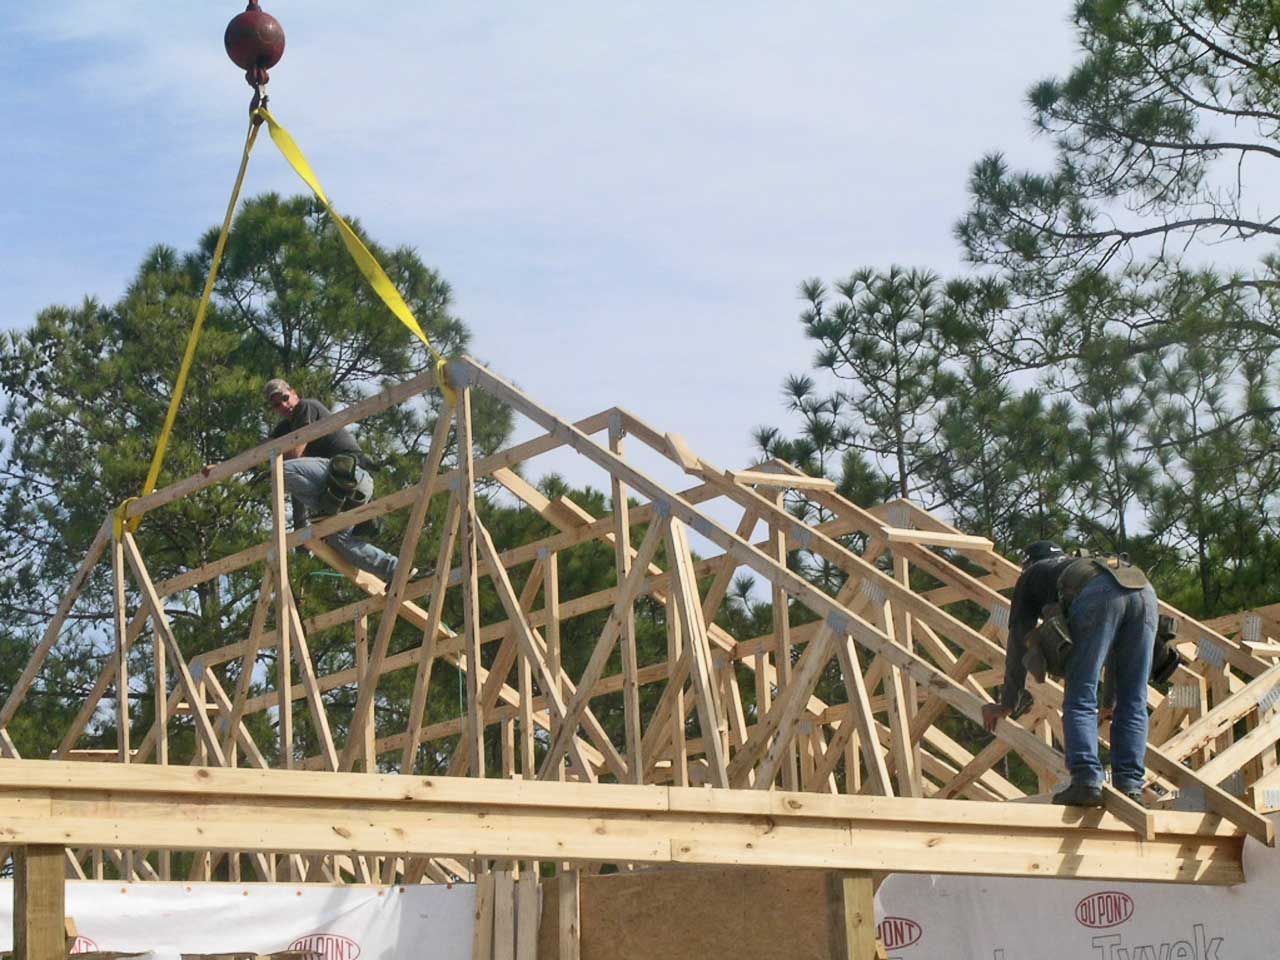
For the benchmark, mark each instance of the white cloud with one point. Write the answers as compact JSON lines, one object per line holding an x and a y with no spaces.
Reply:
{"x":624,"y":196}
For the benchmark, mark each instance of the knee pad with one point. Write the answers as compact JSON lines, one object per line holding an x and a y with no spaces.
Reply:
{"x":342,"y":486}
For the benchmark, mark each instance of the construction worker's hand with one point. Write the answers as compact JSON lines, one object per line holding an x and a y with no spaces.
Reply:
{"x":992,"y":713}
{"x":1105,"y":715}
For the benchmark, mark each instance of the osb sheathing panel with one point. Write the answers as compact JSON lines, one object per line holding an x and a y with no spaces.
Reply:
{"x":700,"y":914}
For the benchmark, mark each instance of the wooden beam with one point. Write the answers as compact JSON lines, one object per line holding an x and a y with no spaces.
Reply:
{"x":500,"y":668}
{"x":759,"y":478}
{"x":528,"y":913}
{"x":569,"y":915}
{"x":504,"y":914}
{"x":279,"y":565}
{"x":229,"y":722}
{"x":630,"y":667}
{"x":577,"y":704}
{"x":677,"y":672}
{"x":472,"y":744}
{"x":782,"y":641}
{"x":166,"y":640}
{"x":124,"y":749}
{"x":530,"y":643}
{"x":551,"y":603}
{"x":39,"y":903}
{"x":482,"y":934}
{"x":369,"y":735}
{"x":853,"y":899}
{"x":818,"y":601}
{"x":906,"y":687}
{"x":404,"y":566}
{"x":314,"y":813}
{"x":860,"y":713}
{"x":694,"y":628}
{"x":430,"y":638}
{"x":50,"y":637}
{"x":315,"y":702}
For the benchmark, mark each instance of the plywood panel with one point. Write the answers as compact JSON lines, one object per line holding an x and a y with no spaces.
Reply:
{"x":699,"y":914}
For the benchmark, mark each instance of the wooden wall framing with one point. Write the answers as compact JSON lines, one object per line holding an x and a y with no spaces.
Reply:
{"x":913,"y":630}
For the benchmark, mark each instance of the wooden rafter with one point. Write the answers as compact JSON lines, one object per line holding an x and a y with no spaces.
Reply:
{"x":844,"y":694}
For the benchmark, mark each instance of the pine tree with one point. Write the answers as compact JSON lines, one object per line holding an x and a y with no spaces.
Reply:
{"x":87,"y":388}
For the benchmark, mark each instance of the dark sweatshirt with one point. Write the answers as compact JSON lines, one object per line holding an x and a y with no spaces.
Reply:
{"x":1037,"y":586}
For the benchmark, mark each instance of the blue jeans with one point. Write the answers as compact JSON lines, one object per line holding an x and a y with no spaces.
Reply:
{"x":1109,"y":622}
{"x":305,"y":479}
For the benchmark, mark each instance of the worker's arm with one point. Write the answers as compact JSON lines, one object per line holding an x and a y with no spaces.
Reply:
{"x":1022,"y":617}
{"x":281,"y":428}
{"x":1023,"y":614}
{"x":288,"y":455}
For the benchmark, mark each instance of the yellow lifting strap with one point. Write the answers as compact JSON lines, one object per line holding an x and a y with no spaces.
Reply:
{"x":368,"y":264}
{"x":365,"y":260}
{"x":162,"y":445}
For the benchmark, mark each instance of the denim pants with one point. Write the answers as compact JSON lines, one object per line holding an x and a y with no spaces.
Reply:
{"x":1111,"y":623}
{"x":305,"y":479}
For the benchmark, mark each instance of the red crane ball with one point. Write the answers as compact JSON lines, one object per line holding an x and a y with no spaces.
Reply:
{"x":254,"y":42}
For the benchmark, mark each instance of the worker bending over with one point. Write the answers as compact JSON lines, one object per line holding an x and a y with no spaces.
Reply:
{"x":1096,"y":612}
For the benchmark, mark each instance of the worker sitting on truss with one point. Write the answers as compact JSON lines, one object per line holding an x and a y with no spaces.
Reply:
{"x":326,"y":476}
{"x":1094,"y":611}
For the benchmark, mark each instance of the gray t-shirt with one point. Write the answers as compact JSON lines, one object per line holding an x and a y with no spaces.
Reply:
{"x":309,"y":411}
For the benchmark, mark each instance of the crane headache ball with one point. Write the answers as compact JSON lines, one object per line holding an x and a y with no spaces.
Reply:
{"x":255,"y":43}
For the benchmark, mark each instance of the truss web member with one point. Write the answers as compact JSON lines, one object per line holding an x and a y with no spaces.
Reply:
{"x":325,"y":477}
{"x":1096,"y":612}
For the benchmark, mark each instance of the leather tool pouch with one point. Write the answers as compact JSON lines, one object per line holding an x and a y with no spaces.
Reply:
{"x":1049,"y":645}
{"x":1165,"y":657}
{"x":342,"y":487}
{"x":1123,"y":572}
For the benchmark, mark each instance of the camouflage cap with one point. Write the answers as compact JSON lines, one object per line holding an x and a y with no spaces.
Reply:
{"x":276,"y":387}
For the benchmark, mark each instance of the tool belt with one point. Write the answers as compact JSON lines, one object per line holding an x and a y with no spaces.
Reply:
{"x":342,"y":487}
{"x":1050,"y":645}
{"x":1080,"y":572}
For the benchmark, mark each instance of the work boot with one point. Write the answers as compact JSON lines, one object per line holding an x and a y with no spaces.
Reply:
{"x":412,"y":575}
{"x":1134,"y":794}
{"x":1079,"y":795}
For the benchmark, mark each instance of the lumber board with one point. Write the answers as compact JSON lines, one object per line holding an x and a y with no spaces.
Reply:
{"x":39,"y":903}
{"x":271,"y":810}
{"x":927,"y":664}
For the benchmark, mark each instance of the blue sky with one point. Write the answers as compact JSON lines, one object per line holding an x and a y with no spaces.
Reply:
{"x":624,"y":197}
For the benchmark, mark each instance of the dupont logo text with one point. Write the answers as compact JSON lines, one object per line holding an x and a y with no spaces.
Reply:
{"x":84,"y":945}
{"x":1109,"y":908}
{"x":331,"y":946}
{"x":896,"y":932}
